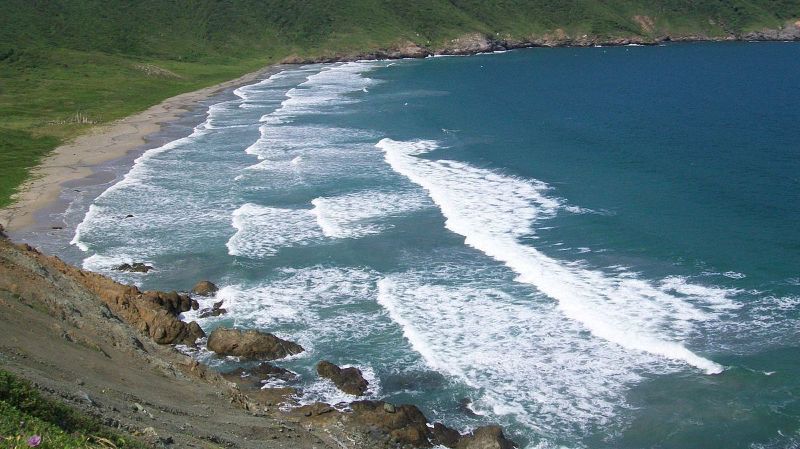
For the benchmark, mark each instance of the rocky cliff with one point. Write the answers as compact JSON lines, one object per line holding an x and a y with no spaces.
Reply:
{"x":107,"y":349}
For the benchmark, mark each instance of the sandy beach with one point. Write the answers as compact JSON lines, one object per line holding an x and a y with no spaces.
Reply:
{"x":76,"y":160}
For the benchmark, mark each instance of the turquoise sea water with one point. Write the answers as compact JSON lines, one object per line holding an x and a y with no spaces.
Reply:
{"x":593,"y":247}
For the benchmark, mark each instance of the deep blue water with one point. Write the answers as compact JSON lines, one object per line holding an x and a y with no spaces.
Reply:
{"x":594,"y":247}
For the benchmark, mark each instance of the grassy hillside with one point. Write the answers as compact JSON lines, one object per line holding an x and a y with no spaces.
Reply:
{"x":25,"y":414}
{"x":67,"y":64}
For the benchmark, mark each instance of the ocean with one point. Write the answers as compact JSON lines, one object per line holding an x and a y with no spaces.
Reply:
{"x":593,"y":247}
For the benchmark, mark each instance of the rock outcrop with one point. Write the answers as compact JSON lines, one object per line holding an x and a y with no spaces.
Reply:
{"x":404,"y":424}
{"x":135,"y":267}
{"x":215,"y":310}
{"x":470,"y":44}
{"x":251,"y":344}
{"x":256,"y":376}
{"x":486,"y":437}
{"x":205,"y":288}
{"x":444,"y":436}
{"x":156,"y":314}
{"x":350,"y":380}
{"x":789,"y":32}
{"x":381,"y":424}
{"x":173,"y":302}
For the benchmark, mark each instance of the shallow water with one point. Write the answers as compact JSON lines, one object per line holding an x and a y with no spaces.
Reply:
{"x":593,"y":247}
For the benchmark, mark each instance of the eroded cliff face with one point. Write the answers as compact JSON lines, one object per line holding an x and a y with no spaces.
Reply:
{"x":31,"y":274}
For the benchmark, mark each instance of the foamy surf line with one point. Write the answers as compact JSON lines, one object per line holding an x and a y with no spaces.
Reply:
{"x":493,"y":211}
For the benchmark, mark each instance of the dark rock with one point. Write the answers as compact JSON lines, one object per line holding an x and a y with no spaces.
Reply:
{"x":216,"y":310}
{"x":174,"y":302}
{"x":205,"y":313}
{"x":164,"y":328}
{"x":136,"y":267}
{"x":486,"y":437}
{"x":252,"y":377}
{"x":464,"y":407}
{"x":445,"y":436}
{"x":129,"y":216}
{"x":251,"y":344}
{"x":407,"y":425}
{"x":350,"y":380}
{"x":205,"y":288}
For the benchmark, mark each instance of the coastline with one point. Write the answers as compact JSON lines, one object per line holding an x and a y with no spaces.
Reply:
{"x":78,"y":160}
{"x":323,"y":412}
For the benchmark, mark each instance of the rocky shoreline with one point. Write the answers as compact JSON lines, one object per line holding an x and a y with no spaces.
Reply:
{"x":476,"y":43}
{"x":59,"y":323}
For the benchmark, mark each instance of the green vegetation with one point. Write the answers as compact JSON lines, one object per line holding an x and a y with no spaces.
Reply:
{"x":67,"y":64}
{"x":24,"y":413}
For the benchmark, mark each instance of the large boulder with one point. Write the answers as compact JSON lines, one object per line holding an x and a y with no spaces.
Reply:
{"x":174,"y":302}
{"x":404,"y":424}
{"x":165,"y":329}
{"x":251,"y":344}
{"x":205,"y":288}
{"x":350,"y":380}
{"x":486,"y":437}
{"x":445,"y":436}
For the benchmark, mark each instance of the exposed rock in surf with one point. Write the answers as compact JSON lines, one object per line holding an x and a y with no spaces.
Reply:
{"x":486,"y":437}
{"x":255,"y":377}
{"x":350,"y":380}
{"x":370,"y":422}
{"x":465,"y":406}
{"x":205,"y":288}
{"x":444,"y":436}
{"x":135,"y":267}
{"x":215,"y":310}
{"x":251,"y":344}
{"x":251,"y":380}
{"x":406,"y":425}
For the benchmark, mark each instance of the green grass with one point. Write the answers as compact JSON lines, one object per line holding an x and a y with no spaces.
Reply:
{"x":25,"y":413}
{"x":19,"y":151}
{"x":62,"y":59}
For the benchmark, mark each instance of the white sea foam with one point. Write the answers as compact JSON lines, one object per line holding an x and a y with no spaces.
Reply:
{"x":261,"y":231}
{"x":315,"y":302}
{"x":136,"y":176}
{"x":324,"y":91}
{"x":363,"y":213}
{"x":493,"y":212}
{"x":523,"y":359}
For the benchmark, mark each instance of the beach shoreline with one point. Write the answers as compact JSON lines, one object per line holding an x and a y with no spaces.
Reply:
{"x":76,"y":162}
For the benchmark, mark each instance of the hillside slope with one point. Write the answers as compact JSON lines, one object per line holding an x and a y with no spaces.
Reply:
{"x":66,"y":65}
